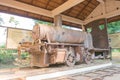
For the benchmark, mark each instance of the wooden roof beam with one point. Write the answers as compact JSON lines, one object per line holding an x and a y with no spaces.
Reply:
{"x":36,"y":10}
{"x":107,"y":15}
{"x":71,"y":19}
{"x":25,"y":7}
{"x":103,"y":5}
{"x":65,"y":6}
{"x":101,"y":1}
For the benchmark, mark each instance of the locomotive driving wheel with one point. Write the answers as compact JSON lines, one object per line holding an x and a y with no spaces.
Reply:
{"x":70,"y":58}
{"x":88,"y":58}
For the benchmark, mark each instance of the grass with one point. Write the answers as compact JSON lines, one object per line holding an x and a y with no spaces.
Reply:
{"x":11,"y":65}
{"x":8,"y":58}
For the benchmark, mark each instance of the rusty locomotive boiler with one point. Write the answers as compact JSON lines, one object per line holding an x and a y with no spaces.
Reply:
{"x":58,"y":45}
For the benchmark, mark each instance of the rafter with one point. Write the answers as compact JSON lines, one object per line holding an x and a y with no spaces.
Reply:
{"x":36,"y":10}
{"x":71,"y":19}
{"x":83,"y":8}
{"x":101,"y":1}
{"x":108,"y":15}
{"x":104,"y":15}
{"x":25,"y":7}
{"x":65,"y":6}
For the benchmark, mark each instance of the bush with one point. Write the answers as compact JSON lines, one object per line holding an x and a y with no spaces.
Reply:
{"x":24,"y":55}
{"x":6,"y":56}
{"x":116,"y":50}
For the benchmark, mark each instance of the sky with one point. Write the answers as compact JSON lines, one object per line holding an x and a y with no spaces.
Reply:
{"x":2,"y":35}
{"x":24,"y":23}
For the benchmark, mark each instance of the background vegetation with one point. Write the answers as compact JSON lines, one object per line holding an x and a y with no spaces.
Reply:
{"x":113,"y":27}
{"x":7,"y":56}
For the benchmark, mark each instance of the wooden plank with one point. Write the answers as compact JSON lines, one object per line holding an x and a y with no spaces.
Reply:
{"x":37,"y":10}
{"x":67,"y":5}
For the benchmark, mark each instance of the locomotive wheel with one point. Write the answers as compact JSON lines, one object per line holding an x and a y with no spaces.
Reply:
{"x":88,"y":59}
{"x":70,"y":59}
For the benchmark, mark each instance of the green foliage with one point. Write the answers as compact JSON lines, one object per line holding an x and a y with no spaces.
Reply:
{"x":116,"y":50}
{"x":101,"y":27}
{"x":113,"y":27}
{"x":24,"y":55}
{"x":67,"y":27}
{"x":2,"y":46}
{"x":6,"y":56}
{"x":13,"y":20}
{"x":89,"y":30}
{"x":1,"y":20}
{"x":42,"y":22}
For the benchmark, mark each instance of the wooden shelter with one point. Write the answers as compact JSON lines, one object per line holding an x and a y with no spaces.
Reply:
{"x":77,"y":13}
{"x":73,"y":12}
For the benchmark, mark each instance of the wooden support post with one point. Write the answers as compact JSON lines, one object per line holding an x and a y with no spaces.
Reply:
{"x":83,"y":27}
{"x":110,"y":48}
{"x":110,"y":52}
{"x":58,"y":20}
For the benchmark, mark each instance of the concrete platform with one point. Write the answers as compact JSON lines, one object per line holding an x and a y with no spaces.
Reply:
{"x":51,"y":72}
{"x":68,"y":72}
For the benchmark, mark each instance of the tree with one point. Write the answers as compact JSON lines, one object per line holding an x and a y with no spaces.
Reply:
{"x":42,"y":22}
{"x":14,"y":21}
{"x":113,"y":27}
{"x":1,"y":20}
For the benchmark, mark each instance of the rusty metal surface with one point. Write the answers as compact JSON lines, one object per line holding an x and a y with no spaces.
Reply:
{"x":61,"y":53}
{"x":58,"y":34}
{"x":23,"y":46}
{"x":66,"y":44}
{"x":100,"y":37}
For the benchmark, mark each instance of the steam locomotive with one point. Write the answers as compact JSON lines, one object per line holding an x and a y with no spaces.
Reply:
{"x":59,"y":45}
